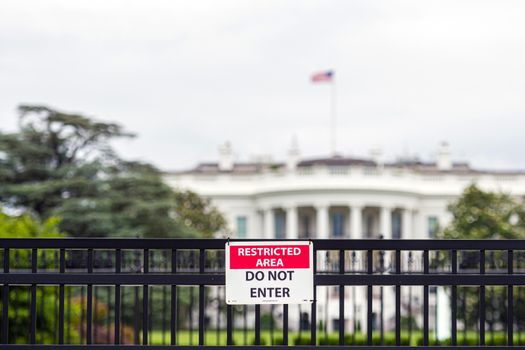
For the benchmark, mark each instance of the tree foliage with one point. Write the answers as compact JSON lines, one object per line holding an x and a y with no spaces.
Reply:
{"x":478,"y":214}
{"x":197,"y":213}
{"x":25,"y":226}
{"x":61,"y":164}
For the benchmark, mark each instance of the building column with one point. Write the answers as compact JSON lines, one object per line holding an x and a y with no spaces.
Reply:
{"x":356,"y":217}
{"x":292,"y":223}
{"x":269,"y":224}
{"x":385,"y":222}
{"x":406,"y":222}
{"x":258,"y":232}
{"x":323,"y":222}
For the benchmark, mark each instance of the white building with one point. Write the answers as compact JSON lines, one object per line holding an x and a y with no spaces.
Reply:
{"x":339,"y":197}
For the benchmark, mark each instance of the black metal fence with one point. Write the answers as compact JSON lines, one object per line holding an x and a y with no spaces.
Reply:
{"x":165,"y":292}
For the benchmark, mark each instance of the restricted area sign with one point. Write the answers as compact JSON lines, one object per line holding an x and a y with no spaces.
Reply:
{"x":269,"y":272}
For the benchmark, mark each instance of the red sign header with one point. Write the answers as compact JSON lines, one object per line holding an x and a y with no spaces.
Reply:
{"x":270,"y":257}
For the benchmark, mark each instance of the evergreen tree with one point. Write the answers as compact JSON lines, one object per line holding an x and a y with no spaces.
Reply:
{"x":61,"y":164}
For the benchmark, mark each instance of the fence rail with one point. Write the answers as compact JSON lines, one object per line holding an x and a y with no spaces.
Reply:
{"x":156,"y":293}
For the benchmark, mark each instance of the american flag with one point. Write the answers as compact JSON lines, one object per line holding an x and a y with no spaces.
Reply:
{"x":322,"y":77}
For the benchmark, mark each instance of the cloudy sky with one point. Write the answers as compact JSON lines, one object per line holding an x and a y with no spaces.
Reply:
{"x":189,"y":75}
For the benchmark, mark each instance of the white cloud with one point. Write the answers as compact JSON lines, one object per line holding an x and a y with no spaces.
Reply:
{"x":187,"y":75}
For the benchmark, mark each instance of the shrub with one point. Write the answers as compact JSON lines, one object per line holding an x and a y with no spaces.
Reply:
{"x":263,"y":341}
{"x":355,"y":339}
{"x":278,"y":341}
{"x":303,"y":340}
{"x":329,"y":340}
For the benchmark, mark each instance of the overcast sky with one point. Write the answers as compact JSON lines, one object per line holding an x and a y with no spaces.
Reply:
{"x":189,"y":75}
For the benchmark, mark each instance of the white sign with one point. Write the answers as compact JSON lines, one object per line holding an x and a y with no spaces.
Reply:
{"x":269,"y":272}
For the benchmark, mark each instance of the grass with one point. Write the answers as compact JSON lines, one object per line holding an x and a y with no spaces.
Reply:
{"x":212,"y":337}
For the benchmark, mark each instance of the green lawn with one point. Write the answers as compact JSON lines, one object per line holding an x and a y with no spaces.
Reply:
{"x":239,"y":338}
{"x":214,"y":338}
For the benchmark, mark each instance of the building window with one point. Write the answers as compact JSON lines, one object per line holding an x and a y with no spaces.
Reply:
{"x":338,"y":222}
{"x":242,"y":229}
{"x":280,"y":225}
{"x":396,"y":225}
{"x":433,"y":226}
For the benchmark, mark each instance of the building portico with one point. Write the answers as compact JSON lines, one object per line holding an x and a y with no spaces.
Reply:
{"x":325,"y":221}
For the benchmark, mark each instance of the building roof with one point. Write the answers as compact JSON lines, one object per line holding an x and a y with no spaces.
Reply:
{"x":336,"y":161}
{"x":238,"y":168}
{"x":417,"y":165}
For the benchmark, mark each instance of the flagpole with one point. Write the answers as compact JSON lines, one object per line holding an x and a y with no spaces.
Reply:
{"x":333,"y":119}
{"x":329,"y":77}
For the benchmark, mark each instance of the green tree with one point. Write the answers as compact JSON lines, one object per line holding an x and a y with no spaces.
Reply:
{"x":478,"y":214}
{"x":197,"y":213}
{"x":25,"y":226}
{"x":61,"y":164}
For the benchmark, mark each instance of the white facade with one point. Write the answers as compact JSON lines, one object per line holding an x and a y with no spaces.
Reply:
{"x":350,"y":201}
{"x":340,"y":198}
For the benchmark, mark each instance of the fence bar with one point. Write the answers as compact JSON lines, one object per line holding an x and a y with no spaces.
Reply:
{"x":244,"y":323}
{"x":164,"y":303}
{"x":214,"y":347}
{"x":285,"y":324}
{"x":313,"y":325}
{"x":5,"y":301}
{"x":32,"y":330}
{"x":413,"y":280}
{"x":322,"y":244}
{"x":510,"y":300}
{"x":61,"y":297}
{"x":398,"y":300}
{"x":425,"y":300}
{"x":202,"y":303}
{"x":341,"y":299}
{"x":190,"y":315}
{"x":454,"y":303}
{"x":370,"y":270}
{"x":173,"y":321}
{"x":108,"y":316}
{"x":118,"y":269}
{"x":258,"y":324}
{"x":482,"y":299}
{"x":89,"y":335}
{"x":145,"y":299}
{"x":82,"y":315}
{"x":229,"y":325}
{"x":218,"y":279}
{"x":218,"y":319}
{"x":151,"y":308}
